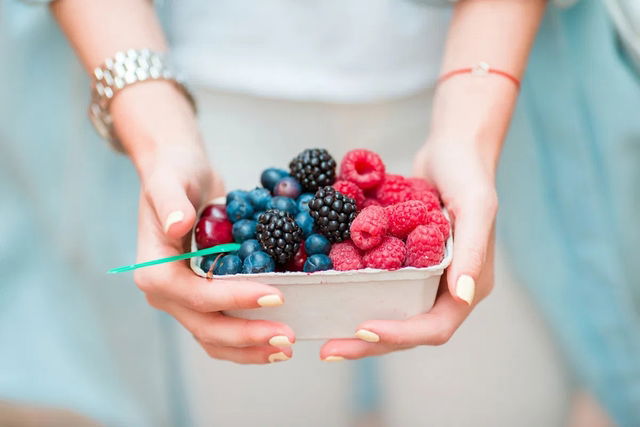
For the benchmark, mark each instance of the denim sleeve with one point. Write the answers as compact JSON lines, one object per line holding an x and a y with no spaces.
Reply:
{"x":36,"y":2}
{"x":444,"y":3}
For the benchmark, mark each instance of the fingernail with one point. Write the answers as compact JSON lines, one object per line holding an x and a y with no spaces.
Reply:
{"x":280,"y":341}
{"x":172,"y":218}
{"x":270,"y":301}
{"x":278,"y":357}
{"x":333,"y":359}
{"x":466,"y":288}
{"x":367,"y":336}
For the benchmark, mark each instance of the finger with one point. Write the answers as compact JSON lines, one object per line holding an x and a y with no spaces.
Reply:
{"x":473,"y":231}
{"x":419,"y":163}
{"x":382,"y":336}
{"x":218,"y":186}
{"x":433,"y":328}
{"x":250,"y":355}
{"x":171,"y":205}
{"x":219,"y":330}
{"x":351,"y":349}
{"x":179,"y":284}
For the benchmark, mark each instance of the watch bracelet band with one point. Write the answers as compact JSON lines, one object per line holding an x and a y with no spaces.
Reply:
{"x":117,"y":73}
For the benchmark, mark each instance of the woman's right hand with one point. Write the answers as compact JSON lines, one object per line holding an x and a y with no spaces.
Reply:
{"x":159,"y":132}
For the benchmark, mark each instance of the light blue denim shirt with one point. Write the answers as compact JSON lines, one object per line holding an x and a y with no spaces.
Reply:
{"x":570,"y":199}
{"x":70,"y":336}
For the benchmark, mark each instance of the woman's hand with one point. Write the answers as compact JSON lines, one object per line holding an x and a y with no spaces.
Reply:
{"x":158,"y":130}
{"x":470,"y":119}
{"x":464,"y":175}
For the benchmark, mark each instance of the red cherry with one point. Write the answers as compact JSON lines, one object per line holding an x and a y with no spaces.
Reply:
{"x":297,"y":262}
{"x":212,"y":231}
{"x":215,"y":211}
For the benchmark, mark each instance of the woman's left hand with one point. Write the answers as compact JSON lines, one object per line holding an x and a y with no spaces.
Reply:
{"x":464,"y":175}
{"x":469,"y":122}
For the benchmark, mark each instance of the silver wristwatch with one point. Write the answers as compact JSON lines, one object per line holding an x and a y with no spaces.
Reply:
{"x":124,"y":69}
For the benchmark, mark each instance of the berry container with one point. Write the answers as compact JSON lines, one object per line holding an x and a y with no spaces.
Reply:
{"x":331,"y":304}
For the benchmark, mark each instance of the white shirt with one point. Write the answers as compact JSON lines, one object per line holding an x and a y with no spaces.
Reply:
{"x":626,"y":16}
{"x":320,"y":50}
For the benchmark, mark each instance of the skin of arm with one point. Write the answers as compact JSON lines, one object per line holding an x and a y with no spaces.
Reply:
{"x":470,"y":120}
{"x":159,"y":131}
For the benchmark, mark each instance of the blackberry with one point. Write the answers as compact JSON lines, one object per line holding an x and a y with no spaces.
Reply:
{"x":279,"y":235}
{"x":333,"y":213}
{"x":313,"y":168}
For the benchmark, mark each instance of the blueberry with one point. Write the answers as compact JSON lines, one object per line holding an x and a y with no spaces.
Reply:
{"x":239,"y":208}
{"x":317,"y":244}
{"x":243,"y":230}
{"x":287,"y":187}
{"x":258,"y":262}
{"x":271,"y":176}
{"x":237,"y":194}
{"x":303,"y":201}
{"x":259,"y":198}
{"x":207,"y":262}
{"x":248,"y":247}
{"x":317,"y":262}
{"x":284,"y":204}
{"x":305,"y":222}
{"x":228,"y":264}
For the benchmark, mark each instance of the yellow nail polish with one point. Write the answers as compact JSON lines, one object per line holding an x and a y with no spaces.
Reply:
{"x":270,"y":301}
{"x":367,"y":336}
{"x":333,"y":359}
{"x":172,"y":218}
{"x":280,"y":341}
{"x":278,"y":357}
{"x":466,"y":288}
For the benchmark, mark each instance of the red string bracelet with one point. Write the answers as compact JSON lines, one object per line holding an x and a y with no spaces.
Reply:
{"x":480,"y":69}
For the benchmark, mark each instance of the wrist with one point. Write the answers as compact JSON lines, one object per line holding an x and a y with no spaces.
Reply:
{"x":473,"y":113}
{"x":447,"y":151}
{"x":153,"y":119}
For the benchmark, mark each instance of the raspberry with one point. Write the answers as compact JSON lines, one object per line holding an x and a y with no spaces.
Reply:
{"x":421,"y":184}
{"x":370,"y":193}
{"x":428,"y":198}
{"x":388,"y":255}
{"x":425,"y":246}
{"x":394,"y":189}
{"x":370,"y":202}
{"x":369,"y":227}
{"x":345,"y":256}
{"x":437,"y":218}
{"x":350,"y":189}
{"x":405,"y":216}
{"x":425,"y":192}
{"x":362,"y":167}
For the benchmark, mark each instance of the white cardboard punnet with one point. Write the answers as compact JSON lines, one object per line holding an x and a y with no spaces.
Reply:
{"x":331,"y":304}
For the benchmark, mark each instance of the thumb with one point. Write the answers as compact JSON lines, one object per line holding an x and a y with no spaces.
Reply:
{"x":175,"y":212}
{"x":473,"y":231}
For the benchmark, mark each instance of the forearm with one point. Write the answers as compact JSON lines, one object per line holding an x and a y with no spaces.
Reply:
{"x":97,"y":29}
{"x":479,"y":109}
{"x":145,"y":115}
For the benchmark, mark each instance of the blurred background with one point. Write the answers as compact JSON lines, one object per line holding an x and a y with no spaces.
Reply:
{"x":557,"y":343}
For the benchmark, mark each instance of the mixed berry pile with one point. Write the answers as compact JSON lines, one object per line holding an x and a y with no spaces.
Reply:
{"x":317,"y":217}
